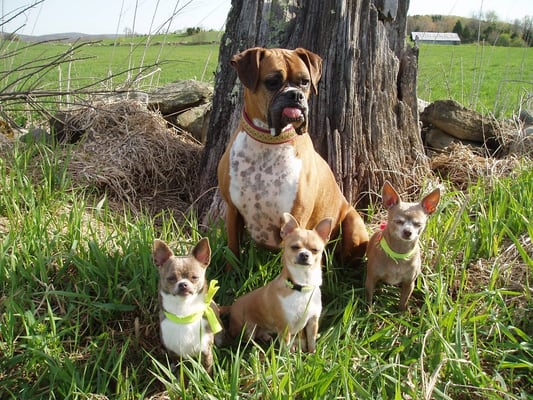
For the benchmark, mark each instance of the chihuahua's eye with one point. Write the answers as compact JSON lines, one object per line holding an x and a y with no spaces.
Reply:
{"x":417,"y":224}
{"x":195,"y":278}
{"x":399,"y":221}
{"x":172,"y":279}
{"x":273,"y":83}
{"x":295,"y":247}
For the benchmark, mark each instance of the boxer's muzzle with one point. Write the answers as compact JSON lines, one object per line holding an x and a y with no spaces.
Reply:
{"x":289,"y":106}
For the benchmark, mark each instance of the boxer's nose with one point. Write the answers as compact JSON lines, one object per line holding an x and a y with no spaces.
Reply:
{"x":296,"y":95}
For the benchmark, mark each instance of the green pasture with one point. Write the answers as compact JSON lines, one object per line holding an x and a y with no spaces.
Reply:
{"x":488,"y":79}
{"x":142,"y":63}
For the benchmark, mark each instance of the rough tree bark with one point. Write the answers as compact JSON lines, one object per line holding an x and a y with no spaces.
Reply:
{"x":364,"y":121}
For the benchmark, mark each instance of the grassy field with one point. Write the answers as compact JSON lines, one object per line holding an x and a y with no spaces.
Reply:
{"x":78,"y":303}
{"x":165,"y":58}
{"x":78,"y":290}
{"x":488,"y":79}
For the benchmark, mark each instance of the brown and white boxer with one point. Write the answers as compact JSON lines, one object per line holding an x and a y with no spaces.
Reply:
{"x":270,"y":165}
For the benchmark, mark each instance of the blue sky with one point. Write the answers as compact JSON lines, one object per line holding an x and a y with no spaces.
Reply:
{"x":149,"y":16}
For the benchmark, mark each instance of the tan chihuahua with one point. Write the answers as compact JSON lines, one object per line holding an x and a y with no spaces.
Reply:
{"x":290,"y":304}
{"x":188,"y":316}
{"x":394,"y":253}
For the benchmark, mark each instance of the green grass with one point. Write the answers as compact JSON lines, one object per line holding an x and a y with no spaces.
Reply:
{"x":488,"y":79}
{"x":78,"y":303}
{"x":61,"y":74}
{"x":141,"y":63}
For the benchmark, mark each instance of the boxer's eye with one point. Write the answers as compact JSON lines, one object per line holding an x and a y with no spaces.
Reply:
{"x":273,"y":83}
{"x":304,"y":83}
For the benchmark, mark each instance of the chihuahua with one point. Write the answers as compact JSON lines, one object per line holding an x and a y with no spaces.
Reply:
{"x":393,"y":253}
{"x":290,"y":304}
{"x":188,"y":316}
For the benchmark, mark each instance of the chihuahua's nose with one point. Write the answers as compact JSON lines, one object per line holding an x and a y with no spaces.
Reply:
{"x":183,"y":285}
{"x":303,"y":258}
{"x":407,"y":233}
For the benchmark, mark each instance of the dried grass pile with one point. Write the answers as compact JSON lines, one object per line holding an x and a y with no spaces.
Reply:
{"x":129,"y":153}
{"x":462,"y":166}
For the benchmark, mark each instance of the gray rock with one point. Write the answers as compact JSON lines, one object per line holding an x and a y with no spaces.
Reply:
{"x":195,"y":121}
{"x":436,"y":139}
{"x":179,"y":96}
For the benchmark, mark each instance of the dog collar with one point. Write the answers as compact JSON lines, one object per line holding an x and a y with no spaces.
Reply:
{"x":391,"y":253}
{"x":299,"y":288}
{"x":207,"y":311}
{"x":263,"y":135}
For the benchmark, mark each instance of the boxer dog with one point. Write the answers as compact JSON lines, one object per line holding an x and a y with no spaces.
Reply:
{"x":270,"y":165}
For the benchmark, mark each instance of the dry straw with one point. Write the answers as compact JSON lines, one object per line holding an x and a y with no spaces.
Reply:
{"x":130,"y":153}
{"x":461,"y":166}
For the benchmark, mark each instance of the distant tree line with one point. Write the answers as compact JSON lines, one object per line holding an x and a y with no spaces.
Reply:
{"x":193,"y":31}
{"x":489,"y":28}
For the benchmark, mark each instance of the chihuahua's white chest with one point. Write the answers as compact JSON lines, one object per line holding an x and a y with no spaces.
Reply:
{"x":188,"y":339}
{"x":264,"y":184}
{"x":300,"y":306}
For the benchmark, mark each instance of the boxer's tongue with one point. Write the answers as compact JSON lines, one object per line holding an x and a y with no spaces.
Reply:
{"x":292,"y":112}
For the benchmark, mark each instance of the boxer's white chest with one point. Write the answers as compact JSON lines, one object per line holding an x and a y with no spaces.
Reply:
{"x":264,"y":184}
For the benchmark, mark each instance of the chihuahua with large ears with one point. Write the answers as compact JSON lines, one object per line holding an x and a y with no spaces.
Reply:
{"x":290,"y":304}
{"x":188,"y":316}
{"x":394,"y":253}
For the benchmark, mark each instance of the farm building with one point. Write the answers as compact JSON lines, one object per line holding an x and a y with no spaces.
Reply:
{"x":435,"y":37}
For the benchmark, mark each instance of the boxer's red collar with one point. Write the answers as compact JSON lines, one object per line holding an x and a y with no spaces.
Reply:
{"x":263,"y":135}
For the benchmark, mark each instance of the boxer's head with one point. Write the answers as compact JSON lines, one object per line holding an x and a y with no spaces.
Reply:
{"x":277,"y":85}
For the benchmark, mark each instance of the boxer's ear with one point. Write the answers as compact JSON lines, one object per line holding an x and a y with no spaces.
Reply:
{"x":247,"y":66}
{"x":314,"y":65}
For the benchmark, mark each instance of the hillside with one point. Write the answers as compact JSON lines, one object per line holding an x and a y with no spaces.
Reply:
{"x":516,"y":34}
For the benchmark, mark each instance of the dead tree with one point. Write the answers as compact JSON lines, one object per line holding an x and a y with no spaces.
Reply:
{"x":364,"y":121}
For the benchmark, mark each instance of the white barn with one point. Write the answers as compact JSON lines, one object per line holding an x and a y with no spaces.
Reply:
{"x":435,"y":37}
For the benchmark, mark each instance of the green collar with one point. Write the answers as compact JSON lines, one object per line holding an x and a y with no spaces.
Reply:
{"x":394,"y":255}
{"x":210,"y":315}
{"x":299,"y":288}
{"x":264,"y":135}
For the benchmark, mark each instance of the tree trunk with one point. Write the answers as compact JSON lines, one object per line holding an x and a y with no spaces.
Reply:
{"x":364,"y":121}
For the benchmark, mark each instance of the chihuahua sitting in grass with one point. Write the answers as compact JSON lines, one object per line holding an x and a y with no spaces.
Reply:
{"x":290,"y":304}
{"x":393,"y":253}
{"x":188,"y":316}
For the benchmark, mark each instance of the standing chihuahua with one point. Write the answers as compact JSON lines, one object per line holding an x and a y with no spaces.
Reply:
{"x":188,"y":316}
{"x":291,"y":303}
{"x":394,"y":253}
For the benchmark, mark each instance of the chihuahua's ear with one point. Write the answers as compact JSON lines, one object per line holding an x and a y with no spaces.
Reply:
{"x":389,"y":195}
{"x":161,"y":252}
{"x":289,"y":225}
{"x":323,"y":228}
{"x":431,"y":201}
{"x":202,"y":251}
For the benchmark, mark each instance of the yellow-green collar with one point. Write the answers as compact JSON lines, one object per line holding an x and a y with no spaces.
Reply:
{"x":264,"y":135}
{"x":207,"y":311}
{"x":394,"y":255}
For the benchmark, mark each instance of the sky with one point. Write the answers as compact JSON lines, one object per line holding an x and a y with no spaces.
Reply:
{"x":152,"y":16}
